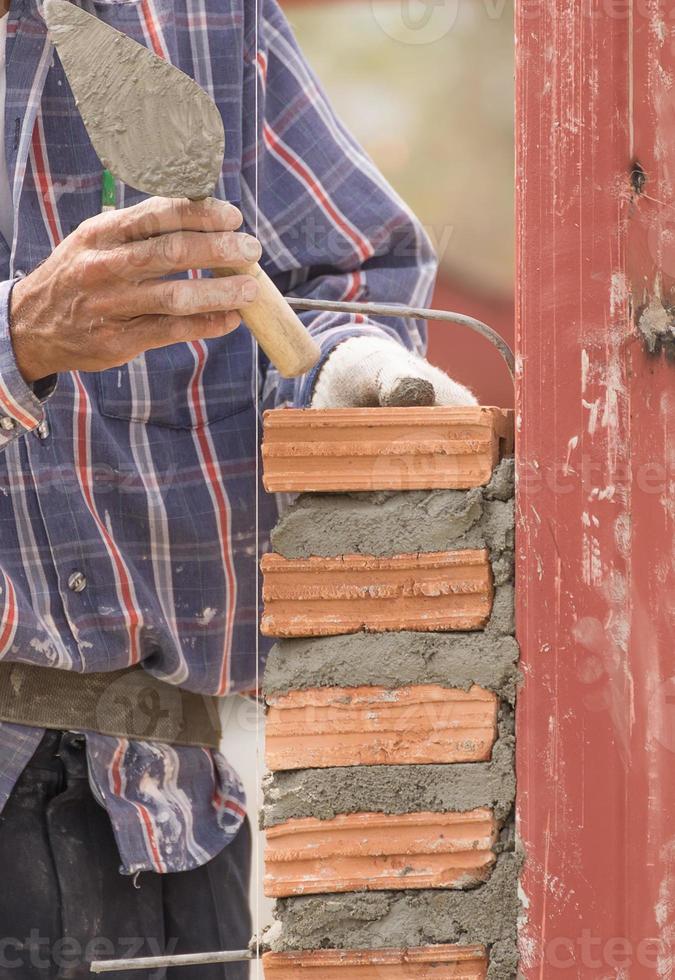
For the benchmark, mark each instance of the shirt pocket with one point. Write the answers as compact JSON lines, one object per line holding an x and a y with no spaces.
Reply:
{"x":184,"y":386}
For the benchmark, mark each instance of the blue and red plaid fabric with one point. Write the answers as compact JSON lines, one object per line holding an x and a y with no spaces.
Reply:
{"x":144,"y":478}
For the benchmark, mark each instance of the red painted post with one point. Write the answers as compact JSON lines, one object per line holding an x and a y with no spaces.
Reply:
{"x":596,"y":465}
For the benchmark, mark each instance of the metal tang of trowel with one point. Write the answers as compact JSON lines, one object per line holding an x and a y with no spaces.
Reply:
{"x":155,"y":129}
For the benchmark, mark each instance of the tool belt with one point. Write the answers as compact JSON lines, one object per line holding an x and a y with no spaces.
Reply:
{"x":124,"y":703}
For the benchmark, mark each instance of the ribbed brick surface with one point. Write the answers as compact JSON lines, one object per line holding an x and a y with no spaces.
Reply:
{"x":373,"y":851}
{"x":325,"y":727}
{"x":383,"y":448}
{"x":451,"y":590}
{"x":425,"y":963}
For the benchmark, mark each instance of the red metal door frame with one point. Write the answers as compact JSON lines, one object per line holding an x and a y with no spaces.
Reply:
{"x":596,"y":417}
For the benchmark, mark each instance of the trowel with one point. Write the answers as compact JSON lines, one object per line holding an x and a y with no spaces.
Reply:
{"x":158,"y":131}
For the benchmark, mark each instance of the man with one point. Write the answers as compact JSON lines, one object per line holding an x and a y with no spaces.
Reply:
{"x":130,"y":517}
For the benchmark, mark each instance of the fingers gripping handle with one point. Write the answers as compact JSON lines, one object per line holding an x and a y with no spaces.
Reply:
{"x":278,"y":330}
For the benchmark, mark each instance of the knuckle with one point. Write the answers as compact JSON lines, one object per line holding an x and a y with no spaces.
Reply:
{"x":87,"y":231}
{"x":182,"y":209}
{"x":176,"y":299}
{"x":247,"y":289}
{"x":170,"y":249}
{"x":92,"y":265}
{"x":213,"y":324}
{"x":151,"y":205}
{"x":143,"y":220}
{"x":178,"y":330}
{"x":163,"y":328}
{"x":226,"y":295}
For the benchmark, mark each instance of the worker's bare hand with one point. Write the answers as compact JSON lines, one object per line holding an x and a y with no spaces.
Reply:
{"x":102,"y":298}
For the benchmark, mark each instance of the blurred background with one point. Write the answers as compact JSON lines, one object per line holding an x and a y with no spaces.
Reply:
{"x":427,"y":88}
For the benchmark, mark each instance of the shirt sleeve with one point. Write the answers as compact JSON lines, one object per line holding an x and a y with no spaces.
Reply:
{"x":330,"y":225}
{"x":21,"y":406}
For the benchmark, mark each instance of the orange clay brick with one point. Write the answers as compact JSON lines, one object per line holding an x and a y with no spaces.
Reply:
{"x":447,"y":590}
{"x":347,"y":449}
{"x":375,"y":852}
{"x":425,"y":963}
{"x":370,"y":726}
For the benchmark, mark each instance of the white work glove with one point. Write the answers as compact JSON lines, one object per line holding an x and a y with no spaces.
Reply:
{"x":369,"y":371}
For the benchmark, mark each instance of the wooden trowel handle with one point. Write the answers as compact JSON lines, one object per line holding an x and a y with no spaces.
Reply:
{"x":275,"y":326}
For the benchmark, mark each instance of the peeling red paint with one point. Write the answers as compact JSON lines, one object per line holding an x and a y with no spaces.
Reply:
{"x":596,"y":414}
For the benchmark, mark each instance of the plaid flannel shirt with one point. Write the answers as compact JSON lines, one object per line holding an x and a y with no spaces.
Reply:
{"x":143,"y":479}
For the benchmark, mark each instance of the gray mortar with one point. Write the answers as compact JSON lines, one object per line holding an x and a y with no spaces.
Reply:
{"x":656,"y":323}
{"x":372,"y":920}
{"x":396,"y":660}
{"x":386,"y":524}
{"x":151,"y":124}
{"x":502,"y":485}
{"x":460,"y":787}
{"x":502,"y":621}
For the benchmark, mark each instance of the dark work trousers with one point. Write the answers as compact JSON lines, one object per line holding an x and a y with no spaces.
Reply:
{"x":63,"y":901}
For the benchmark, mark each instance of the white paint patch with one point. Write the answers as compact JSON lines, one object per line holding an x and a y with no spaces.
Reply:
{"x":585,"y":366}
{"x":664,"y":911}
{"x":622,"y":534}
{"x":207,"y":616}
{"x":593,"y":413}
{"x":659,"y":28}
{"x":619,"y":292}
{"x":571,"y":446}
{"x":591,"y":567}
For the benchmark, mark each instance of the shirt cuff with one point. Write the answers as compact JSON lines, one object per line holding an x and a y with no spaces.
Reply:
{"x":328,"y":342}
{"x":21,"y":408}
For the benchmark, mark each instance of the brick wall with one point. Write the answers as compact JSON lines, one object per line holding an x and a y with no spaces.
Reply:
{"x":391,"y":694}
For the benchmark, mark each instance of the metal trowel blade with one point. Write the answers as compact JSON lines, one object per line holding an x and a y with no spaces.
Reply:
{"x":151,"y":124}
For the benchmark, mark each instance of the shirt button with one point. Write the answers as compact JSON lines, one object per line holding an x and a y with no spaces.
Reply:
{"x":7,"y":424}
{"x":42,"y":430}
{"x":77,"y":582}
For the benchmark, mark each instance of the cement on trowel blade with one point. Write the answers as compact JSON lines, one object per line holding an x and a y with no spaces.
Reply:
{"x":152,"y":126}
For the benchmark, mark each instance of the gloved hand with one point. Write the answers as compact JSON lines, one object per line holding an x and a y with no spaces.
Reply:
{"x":369,"y":372}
